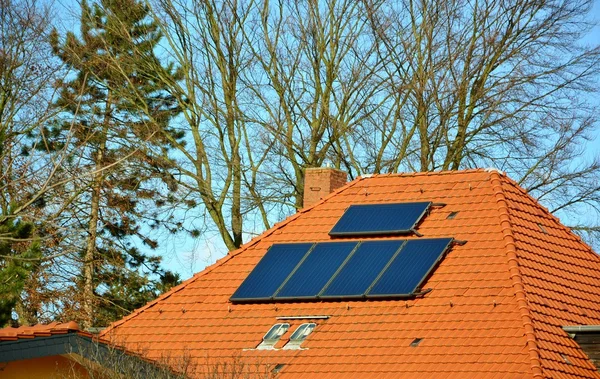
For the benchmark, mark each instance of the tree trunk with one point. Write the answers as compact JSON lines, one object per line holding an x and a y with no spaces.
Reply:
{"x":88,"y":259}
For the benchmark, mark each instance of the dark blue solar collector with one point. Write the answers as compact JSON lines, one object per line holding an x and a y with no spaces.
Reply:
{"x":316,"y":270}
{"x":410,"y":267}
{"x":271,"y":271}
{"x":361,"y":270}
{"x":380,"y":219}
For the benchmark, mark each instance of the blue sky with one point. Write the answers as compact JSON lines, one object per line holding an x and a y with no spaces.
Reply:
{"x":186,"y":255}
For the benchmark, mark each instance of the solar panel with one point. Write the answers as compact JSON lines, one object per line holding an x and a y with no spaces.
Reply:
{"x":410,"y":267}
{"x":345,"y":269}
{"x":379,"y":219}
{"x":316,"y":270}
{"x":271,"y":271}
{"x":361,"y":270}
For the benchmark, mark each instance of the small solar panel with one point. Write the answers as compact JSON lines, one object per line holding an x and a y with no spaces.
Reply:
{"x":361,"y":270}
{"x":271,"y":271}
{"x":316,"y":270}
{"x":410,"y":267}
{"x":379,"y":219}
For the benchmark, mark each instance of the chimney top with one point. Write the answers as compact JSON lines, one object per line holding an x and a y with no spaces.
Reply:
{"x":320,"y":182}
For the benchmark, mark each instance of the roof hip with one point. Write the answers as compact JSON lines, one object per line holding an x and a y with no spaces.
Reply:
{"x":515,"y":274}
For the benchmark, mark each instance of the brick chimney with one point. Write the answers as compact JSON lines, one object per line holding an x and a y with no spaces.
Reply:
{"x":320,"y":182}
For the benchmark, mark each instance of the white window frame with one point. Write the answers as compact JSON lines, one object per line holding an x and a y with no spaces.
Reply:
{"x":274,"y":335}
{"x":299,"y":335}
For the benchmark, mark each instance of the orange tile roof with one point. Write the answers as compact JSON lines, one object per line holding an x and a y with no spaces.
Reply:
{"x":39,"y":330}
{"x":496,"y":309}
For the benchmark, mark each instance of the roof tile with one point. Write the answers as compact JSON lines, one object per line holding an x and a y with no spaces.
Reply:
{"x":497,"y":306}
{"x":39,"y":330}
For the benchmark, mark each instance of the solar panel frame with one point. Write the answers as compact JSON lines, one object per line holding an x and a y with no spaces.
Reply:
{"x":325,"y":294}
{"x":426,"y":205}
{"x":236,"y":298}
{"x":291,"y":283}
{"x":424,"y":277}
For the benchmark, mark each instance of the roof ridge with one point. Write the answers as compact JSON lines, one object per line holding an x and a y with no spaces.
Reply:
{"x":515,"y":274}
{"x":426,"y":173}
{"x":230,"y":255}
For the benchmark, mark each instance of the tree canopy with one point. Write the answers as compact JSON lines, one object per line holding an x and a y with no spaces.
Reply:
{"x":198,"y":118}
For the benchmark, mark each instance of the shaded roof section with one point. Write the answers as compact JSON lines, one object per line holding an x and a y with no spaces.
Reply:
{"x":39,"y":330}
{"x":43,"y":340}
{"x":87,"y":352}
{"x":496,"y":307}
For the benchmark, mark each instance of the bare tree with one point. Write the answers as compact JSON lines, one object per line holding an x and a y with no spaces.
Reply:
{"x":502,"y":83}
{"x":319,"y":82}
{"x":253,"y":127}
{"x":205,"y":38}
{"x":27,"y":71}
{"x":375,"y":86}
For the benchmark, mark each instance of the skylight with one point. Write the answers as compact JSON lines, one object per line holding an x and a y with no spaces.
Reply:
{"x":299,"y":336}
{"x":273,"y":336}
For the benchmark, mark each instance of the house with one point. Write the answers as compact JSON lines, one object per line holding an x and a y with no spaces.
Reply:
{"x":63,"y":350}
{"x":42,"y":351}
{"x":473,"y":279}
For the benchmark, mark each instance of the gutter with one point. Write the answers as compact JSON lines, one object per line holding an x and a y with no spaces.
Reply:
{"x":582,"y":329}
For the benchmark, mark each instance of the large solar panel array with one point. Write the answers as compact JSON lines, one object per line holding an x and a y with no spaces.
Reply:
{"x":379,"y":219}
{"x":342,"y":270}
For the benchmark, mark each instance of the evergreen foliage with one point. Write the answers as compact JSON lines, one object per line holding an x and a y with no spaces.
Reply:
{"x":18,"y":244}
{"x":115,"y":117}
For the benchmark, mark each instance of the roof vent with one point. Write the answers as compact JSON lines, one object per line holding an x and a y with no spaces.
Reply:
{"x":277,"y":368}
{"x":416,"y":342}
{"x":299,"y":336}
{"x":452,"y":216}
{"x":273,"y":336}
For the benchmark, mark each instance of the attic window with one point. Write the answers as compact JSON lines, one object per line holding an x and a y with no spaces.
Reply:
{"x":416,"y":342}
{"x":452,"y":216}
{"x":278,"y":368}
{"x":273,"y":336}
{"x":299,"y":336}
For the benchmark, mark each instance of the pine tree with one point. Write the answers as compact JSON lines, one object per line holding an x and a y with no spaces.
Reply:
{"x":112,"y":109}
{"x":19,"y":254}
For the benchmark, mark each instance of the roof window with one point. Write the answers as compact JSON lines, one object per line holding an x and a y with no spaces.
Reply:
{"x":273,"y":336}
{"x":299,"y":336}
